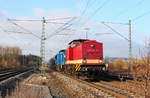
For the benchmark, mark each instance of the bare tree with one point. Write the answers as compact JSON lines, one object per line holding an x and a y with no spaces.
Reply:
{"x":9,"y":56}
{"x":141,"y":70}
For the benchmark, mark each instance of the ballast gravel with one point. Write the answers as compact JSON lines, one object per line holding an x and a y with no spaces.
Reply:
{"x":63,"y":86}
{"x":56,"y":85}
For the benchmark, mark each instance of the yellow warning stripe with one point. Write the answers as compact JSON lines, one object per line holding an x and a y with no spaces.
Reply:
{"x":84,"y":61}
{"x":77,"y":67}
{"x":74,"y":61}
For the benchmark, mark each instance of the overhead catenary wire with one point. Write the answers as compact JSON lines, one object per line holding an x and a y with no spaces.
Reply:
{"x":56,"y":22}
{"x":40,"y":19}
{"x":67,"y":23}
{"x":87,"y":6}
{"x":8,"y":32}
{"x":58,"y":31}
{"x":103,"y":33}
{"x":96,"y":11}
{"x":116,"y":31}
{"x":16,"y":32}
{"x":129,"y":9}
{"x":100,"y":7}
{"x":43,"y":38}
{"x":11,"y":20}
{"x":62,"y":18}
{"x":85,"y":9}
{"x":93,"y":14}
{"x":115,"y":23}
{"x":24,"y":29}
{"x":62,"y":28}
{"x":141,"y":16}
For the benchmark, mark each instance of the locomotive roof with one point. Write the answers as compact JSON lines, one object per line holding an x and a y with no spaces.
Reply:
{"x":62,"y":50}
{"x":79,"y":40}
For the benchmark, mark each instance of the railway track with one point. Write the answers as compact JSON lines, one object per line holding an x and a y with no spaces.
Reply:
{"x":8,"y":80}
{"x":128,"y":87}
{"x":116,"y":89}
{"x":107,"y":90}
{"x":11,"y":73}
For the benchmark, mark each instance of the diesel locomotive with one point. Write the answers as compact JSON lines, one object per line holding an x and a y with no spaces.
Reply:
{"x":81,"y":56}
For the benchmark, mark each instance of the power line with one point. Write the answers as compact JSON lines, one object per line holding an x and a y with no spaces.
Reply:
{"x":61,"y":18}
{"x":20,"y":26}
{"x":39,"y":19}
{"x":86,"y":7}
{"x":63,"y":27}
{"x":42,"y":38}
{"x":115,"y":31}
{"x":67,"y":23}
{"x":115,"y":23}
{"x":16,"y":32}
{"x":129,"y":9}
{"x":8,"y":32}
{"x":56,"y":22}
{"x":129,"y":39}
{"x":102,"y":33}
{"x":23,"y":28}
{"x":58,"y":31}
{"x":97,"y":10}
{"x":84,"y":11}
{"x":141,"y":16}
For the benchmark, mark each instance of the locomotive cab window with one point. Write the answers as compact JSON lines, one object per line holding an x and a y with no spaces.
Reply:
{"x":74,"y":44}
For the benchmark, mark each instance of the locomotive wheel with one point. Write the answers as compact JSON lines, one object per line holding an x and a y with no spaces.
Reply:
{"x":73,"y":70}
{"x":65,"y":69}
{"x":78,"y":75}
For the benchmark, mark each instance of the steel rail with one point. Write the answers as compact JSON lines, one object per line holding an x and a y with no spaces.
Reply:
{"x":108,"y":91}
{"x":11,"y":74}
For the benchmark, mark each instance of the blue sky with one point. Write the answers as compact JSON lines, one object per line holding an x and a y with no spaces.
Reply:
{"x":113,"y":10}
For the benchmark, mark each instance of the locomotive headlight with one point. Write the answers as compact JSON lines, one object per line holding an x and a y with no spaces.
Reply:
{"x":100,"y":61}
{"x":84,"y":61}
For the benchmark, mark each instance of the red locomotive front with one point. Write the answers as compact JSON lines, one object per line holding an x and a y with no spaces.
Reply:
{"x":85,"y":54}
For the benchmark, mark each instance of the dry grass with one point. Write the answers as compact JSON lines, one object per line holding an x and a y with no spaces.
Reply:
{"x":140,"y":70}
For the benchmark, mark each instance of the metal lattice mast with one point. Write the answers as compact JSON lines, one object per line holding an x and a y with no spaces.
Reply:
{"x":129,"y":39}
{"x":130,"y":46}
{"x":42,"y":47}
{"x":43,"y":37}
